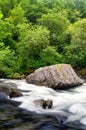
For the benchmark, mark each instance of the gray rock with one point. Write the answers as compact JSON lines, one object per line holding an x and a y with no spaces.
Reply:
{"x":9,"y":89}
{"x":58,"y":76}
{"x":44,"y":103}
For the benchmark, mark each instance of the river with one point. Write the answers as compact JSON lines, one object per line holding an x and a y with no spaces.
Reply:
{"x":20,"y":113}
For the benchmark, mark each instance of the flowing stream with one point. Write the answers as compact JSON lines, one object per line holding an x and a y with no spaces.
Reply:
{"x":68,"y":111}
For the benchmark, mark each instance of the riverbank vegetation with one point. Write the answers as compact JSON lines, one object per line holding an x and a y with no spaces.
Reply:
{"x":35,"y":33}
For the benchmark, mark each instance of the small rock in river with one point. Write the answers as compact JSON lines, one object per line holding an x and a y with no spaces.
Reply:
{"x":15,"y":94}
{"x":44,"y":103}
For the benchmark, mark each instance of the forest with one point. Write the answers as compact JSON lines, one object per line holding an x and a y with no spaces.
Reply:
{"x":36,"y":33}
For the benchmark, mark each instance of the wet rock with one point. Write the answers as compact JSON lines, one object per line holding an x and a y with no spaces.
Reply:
{"x":44,"y":103}
{"x":15,"y":94}
{"x":9,"y":89}
{"x":58,"y":76}
{"x":49,"y":104}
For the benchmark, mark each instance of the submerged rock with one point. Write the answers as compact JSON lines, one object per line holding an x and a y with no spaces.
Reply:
{"x":44,"y":103}
{"x":58,"y":76}
{"x":9,"y":89}
{"x":15,"y":94}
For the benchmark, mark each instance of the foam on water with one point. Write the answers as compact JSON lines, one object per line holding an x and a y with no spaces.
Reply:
{"x":71,"y":104}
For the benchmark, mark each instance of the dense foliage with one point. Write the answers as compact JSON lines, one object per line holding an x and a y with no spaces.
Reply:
{"x":35,"y":33}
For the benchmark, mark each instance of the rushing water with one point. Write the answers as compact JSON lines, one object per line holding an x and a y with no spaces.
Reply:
{"x":68,"y":111}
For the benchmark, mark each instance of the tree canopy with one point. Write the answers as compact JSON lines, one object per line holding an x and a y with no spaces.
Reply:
{"x":35,"y":33}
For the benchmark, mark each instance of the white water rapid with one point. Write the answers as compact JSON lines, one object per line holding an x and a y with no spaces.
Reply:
{"x":70,"y":103}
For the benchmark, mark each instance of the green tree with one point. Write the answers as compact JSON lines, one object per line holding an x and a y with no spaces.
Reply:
{"x":81,"y":5}
{"x":49,"y":56}
{"x":8,"y":5}
{"x":8,"y":64}
{"x":76,"y":50}
{"x":5,"y":30}
{"x":33,"y":10}
{"x":16,"y":17}
{"x":57,"y":24}
{"x":32,"y":41}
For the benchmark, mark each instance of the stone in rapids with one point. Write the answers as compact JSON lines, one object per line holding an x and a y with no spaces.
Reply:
{"x":44,"y":103}
{"x":10,"y":89}
{"x":15,"y":94}
{"x":59,"y":76}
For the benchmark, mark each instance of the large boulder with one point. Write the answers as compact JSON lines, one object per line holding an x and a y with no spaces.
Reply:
{"x":58,"y":76}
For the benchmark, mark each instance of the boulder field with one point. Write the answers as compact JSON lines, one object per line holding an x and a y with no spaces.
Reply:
{"x":60,"y":76}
